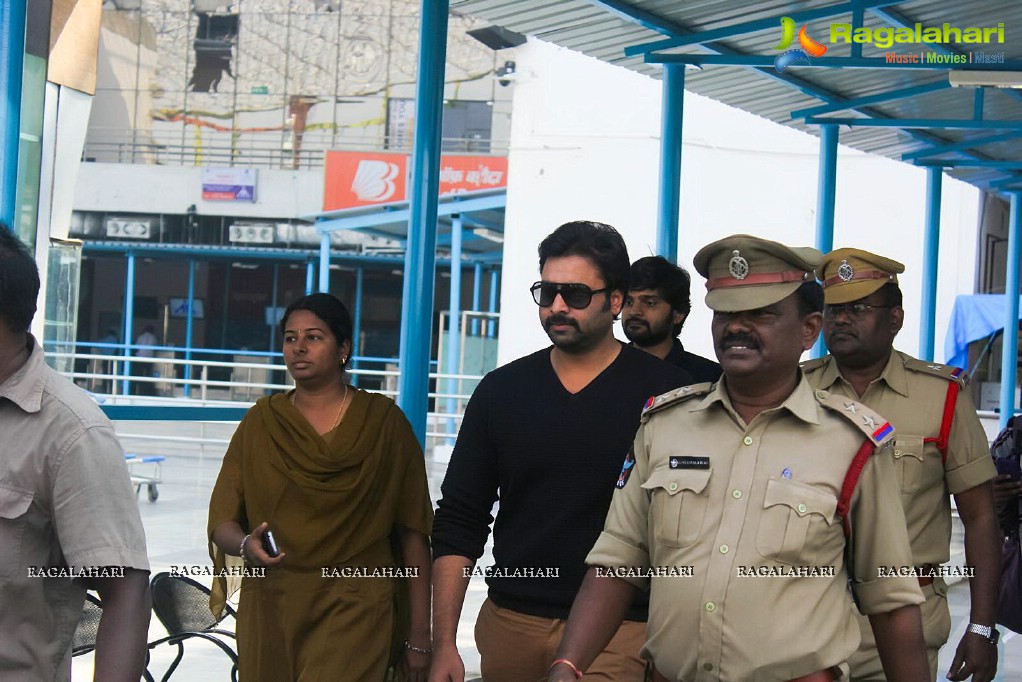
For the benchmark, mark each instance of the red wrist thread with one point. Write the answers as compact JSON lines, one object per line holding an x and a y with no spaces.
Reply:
{"x":574,"y":668}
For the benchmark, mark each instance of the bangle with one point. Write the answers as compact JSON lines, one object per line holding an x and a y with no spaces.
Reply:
{"x":418,"y":650}
{"x":241,"y":548}
{"x":574,"y":668}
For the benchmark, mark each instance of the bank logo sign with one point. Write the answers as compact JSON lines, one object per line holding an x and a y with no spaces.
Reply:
{"x":884,"y":38}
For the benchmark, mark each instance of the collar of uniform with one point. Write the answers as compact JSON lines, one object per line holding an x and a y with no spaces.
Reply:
{"x":24,"y":388}
{"x":895,"y":373}
{"x":801,"y":403}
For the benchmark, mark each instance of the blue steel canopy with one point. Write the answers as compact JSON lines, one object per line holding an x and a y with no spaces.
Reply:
{"x":481,"y":214}
{"x":902,"y":111}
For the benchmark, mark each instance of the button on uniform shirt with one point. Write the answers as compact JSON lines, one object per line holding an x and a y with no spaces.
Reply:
{"x":911,"y":393}
{"x":65,"y":502}
{"x":730,"y":499}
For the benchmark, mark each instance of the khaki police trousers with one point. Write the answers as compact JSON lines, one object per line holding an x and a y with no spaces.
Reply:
{"x":515,"y":647}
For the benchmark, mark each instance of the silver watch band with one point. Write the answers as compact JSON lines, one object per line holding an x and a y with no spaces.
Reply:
{"x":981,"y":630}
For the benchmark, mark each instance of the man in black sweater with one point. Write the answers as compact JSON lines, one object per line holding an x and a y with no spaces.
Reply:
{"x":548,"y":433}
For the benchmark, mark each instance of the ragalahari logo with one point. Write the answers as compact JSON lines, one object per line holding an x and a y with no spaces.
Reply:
{"x":807,"y":49}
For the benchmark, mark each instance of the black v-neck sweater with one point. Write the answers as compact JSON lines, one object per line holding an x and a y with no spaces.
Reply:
{"x":554,"y":458}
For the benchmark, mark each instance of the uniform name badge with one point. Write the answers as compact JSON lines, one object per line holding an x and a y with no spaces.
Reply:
{"x":689,"y":462}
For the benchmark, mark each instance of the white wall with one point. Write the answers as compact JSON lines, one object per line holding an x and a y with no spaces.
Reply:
{"x":585,"y":145}
{"x":126,"y":188}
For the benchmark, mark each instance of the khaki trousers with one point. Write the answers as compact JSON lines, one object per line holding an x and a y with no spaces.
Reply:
{"x":515,"y":647}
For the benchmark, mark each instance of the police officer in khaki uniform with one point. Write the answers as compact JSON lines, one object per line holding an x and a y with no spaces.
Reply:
{"x":940,"y":448}
{"x":736,"y":510}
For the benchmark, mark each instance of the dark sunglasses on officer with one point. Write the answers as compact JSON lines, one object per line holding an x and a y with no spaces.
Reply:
{"x":574,"y":294}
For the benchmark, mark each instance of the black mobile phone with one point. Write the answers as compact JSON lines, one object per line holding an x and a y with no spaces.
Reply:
{"x":270,"y":544}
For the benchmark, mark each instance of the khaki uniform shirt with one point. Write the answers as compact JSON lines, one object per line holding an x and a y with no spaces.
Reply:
{"x":66,"y":502}
{"x":734,"y":502}
{"x":911,"y":395}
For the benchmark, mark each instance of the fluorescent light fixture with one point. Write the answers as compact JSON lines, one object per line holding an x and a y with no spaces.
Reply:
{"x":488,"y":234}
{"x":984,"y":79}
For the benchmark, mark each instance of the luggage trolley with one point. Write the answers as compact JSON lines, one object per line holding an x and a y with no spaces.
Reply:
{"x":139,"y":479}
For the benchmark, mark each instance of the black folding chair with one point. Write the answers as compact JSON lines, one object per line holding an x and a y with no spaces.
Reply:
{"x":182,"y":606}
{"x":84,"y":639}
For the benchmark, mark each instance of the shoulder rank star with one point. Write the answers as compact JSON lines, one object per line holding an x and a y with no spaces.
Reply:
{"x":851,"y":408}
{"x":870,"y":422}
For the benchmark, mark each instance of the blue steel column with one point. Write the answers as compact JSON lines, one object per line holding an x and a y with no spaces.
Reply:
{"x":420,"y":256}
{"x":825,"y":193}
{"x":931,"y":248}
{"x":671,"y":118}
{"x":12,"y":64}
{"x":129,"y":318}
{"x":477,"y":291}
{"x":491,"y":326}
{"x":189,"y":324}
{"x":454,"y":324}
{"x":324,"y":262}
{"x":356,"y":332}
{"x":1009,"y":350}
{"x":310,"y":271}
{"x":273,"y":305}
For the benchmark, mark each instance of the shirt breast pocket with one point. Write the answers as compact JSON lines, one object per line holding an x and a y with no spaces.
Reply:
{"x":14,"y":504}
{"x":796,"y":518}
{"x":909,"y":459}
{"x":678,"y":504}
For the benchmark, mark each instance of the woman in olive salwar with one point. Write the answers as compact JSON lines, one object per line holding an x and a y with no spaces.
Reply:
{"x":338,"y":476}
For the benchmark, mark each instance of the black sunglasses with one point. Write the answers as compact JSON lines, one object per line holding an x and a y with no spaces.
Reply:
{"x":575,"y":295}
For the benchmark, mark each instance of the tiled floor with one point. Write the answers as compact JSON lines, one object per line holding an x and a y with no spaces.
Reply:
{"x":175,"y":529}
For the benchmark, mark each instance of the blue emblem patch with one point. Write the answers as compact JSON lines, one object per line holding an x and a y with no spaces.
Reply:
{"x":626,"y":470}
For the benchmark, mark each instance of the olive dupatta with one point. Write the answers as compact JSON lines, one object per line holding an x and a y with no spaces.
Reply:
{"x":327,"y":498}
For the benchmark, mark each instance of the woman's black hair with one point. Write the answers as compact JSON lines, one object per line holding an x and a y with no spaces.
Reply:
{"x":328,"y":308}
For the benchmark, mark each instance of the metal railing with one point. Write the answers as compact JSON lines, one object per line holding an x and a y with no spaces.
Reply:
{"x":116,"y":379}
{"x":255,"y":150}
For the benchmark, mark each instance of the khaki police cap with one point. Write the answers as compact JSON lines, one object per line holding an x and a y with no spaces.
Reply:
{"x":744,"y":272}
{"x":851,"y":274}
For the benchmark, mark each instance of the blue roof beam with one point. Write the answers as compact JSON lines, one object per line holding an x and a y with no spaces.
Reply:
{"x":360,"y":222}
{"x":1003,"y":165}
{"x":889,"y":96}
{"x":960,"y":146}
{"x":1005,"y":182}
{"x":770,"y":23}
{"x":899,"y":20}
{"x":636,"y":15}
{"x":908,"y":123}
{"x":763,"y":61}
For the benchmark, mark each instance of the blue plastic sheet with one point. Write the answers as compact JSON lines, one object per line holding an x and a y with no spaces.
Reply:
{"x":973,"y":318}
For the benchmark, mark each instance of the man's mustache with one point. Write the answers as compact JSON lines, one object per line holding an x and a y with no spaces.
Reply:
{"x":559,"y":318}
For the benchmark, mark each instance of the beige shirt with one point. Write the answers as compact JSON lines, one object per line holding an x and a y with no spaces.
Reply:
{"x":65,"y":502}
{"x":911,"y":393}
{"x":729,"y":500}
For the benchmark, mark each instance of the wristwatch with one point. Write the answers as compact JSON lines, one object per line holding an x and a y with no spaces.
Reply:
{"x":991,"y":634}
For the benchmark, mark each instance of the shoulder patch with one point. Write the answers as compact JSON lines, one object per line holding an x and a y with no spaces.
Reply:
{"x":678,"y":395}
{"x":874,"y":426}
{"x":946,"y":372}
{"x":813,"y":365}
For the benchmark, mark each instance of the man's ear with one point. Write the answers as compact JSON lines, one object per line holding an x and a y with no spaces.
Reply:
{"x":617,"y":302}
{"x":897,"y":319}
{"x":678,"y":318}
{"x":811,"y":326}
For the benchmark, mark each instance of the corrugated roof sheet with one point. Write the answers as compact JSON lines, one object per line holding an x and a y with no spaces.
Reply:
{"x":594,"y":28}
